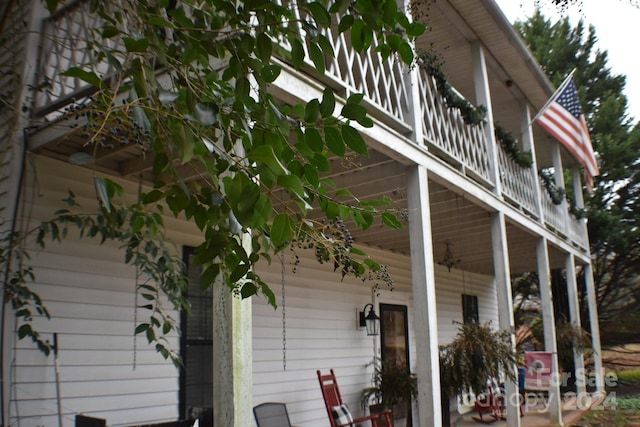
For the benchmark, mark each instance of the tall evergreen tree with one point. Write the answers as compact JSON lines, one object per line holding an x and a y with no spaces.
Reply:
{"x":613,"y":209}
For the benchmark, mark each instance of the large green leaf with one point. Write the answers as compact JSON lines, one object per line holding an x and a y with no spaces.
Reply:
{"x":282,"y":230}
{"x":319,"y":13}
{"x":313,"y":139}
{"x":353,"y":139}
{"x":334,"y":141}
{"x":317,"y":57}
{"x":293,"y":184}
{"x":265,"y":47}
{"x":265,"y":154}
{"x":297,"y":53}
{"x":328,"y":103}
{"x":136,"y":45}
{"x":86,"y":76}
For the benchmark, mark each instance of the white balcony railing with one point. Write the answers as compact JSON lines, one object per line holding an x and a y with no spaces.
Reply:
{"x":554,"y":215}
{"x":65,"y":44}
{"x":445,"y":129}
{"x":384,"y":82}
{"x":517,"y":183}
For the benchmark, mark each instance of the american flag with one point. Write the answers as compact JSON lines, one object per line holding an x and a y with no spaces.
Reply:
{"x":562,"y":117}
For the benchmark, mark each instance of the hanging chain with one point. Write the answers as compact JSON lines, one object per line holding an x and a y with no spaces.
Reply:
{"x":284,"y":318}
{"x":135,"y":298}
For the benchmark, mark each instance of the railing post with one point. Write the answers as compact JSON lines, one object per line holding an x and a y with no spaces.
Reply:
{"x":559,"y":179}
{"x":483,"y":97}
{"x":529,"y":145}
{"x":579,"y":203}
{"x":415,"y":120}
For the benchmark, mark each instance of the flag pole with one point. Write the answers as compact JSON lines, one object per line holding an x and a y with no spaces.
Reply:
{"x":555,"y":95}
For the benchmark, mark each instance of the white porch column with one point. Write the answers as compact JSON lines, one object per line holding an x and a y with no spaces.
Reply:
{"x":505,"y":305}
{"x":549,"y":325}
{"x":483,"y":97}
{"x":574,"y":314}
{"x":595,"y":328}
{"x":424,"y":299}
{"x":232,"y":359}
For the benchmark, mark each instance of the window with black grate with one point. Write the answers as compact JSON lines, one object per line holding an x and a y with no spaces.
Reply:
{"x":196,"y":344}
{"x":470,"y":313}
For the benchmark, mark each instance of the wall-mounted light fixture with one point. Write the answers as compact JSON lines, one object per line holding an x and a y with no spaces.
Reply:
{"x":370,"y":320}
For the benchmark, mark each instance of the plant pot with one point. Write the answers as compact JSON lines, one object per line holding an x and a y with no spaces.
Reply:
{"x":400,"y":414}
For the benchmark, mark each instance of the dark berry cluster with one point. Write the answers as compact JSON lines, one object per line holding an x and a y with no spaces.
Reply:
{"x":107,"y":127}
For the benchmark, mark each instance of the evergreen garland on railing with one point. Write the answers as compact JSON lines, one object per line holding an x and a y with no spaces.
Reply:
{"x":472,"y":115}
{"x":510,"y":145}
{"x":578,"y":213}
{"x":431,"y":63}
{"x":556,"y":193}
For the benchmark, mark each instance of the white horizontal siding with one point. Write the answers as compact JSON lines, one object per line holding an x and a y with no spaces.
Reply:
{"x":89,"y":292}
{"x":321,"y":330}
{"x":321,"y":333}
{"x":450,"y":286}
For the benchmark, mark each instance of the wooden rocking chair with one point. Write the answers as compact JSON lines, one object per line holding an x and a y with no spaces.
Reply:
{"x":490,"y":402}
{"x":338,"y":412}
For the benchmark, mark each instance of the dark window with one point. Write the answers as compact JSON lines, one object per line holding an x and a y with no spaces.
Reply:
{"x":470,"y":309}
{"x":196,"y":344}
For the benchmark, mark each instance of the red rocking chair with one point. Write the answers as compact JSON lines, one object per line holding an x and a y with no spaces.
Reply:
{"x":492,"y":402}
{"x":339,"y":415}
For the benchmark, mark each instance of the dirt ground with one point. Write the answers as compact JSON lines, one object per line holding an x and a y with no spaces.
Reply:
{"x":627,"y":357}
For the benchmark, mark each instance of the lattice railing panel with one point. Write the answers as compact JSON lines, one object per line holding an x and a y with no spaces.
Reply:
{"x":517,"y":183}
{"x":65,"y":44}
{"x":445,"y":128}
{"x":382,"y":81}
{"x":553,"y":214}
{"x":578,"y":232}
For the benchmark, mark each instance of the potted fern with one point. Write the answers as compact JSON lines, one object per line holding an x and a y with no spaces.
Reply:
{"x":477,"y":353}
{"x":394,"y":387}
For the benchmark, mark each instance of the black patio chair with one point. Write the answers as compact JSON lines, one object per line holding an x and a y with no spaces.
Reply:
{"x":272,"y":414}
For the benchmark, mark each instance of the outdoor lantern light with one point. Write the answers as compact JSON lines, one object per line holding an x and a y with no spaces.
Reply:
{"x":370,"y":320}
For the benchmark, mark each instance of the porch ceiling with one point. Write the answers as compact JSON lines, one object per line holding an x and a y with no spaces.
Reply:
{"x":465,"y":226}
{"x":454,"y":219}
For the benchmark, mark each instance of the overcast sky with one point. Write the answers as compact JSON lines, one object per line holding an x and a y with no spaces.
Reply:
{"x":617,"y":26}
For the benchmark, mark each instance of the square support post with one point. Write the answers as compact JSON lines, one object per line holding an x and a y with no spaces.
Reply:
{"x":424,"y":297}
{"x":502,"y":274}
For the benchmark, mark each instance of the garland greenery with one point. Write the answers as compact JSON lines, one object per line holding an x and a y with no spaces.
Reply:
{"x":556,"y":193}
{"x":432,"y":64}
{"x":472,"y":115}
{"x":510,"y":144}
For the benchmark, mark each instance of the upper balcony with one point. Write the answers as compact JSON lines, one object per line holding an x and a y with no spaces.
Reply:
{"x":405,"y":101}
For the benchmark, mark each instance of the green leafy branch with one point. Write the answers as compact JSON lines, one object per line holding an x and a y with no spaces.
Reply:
{"x":141,"y":233}
{"x":24,"y":301}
